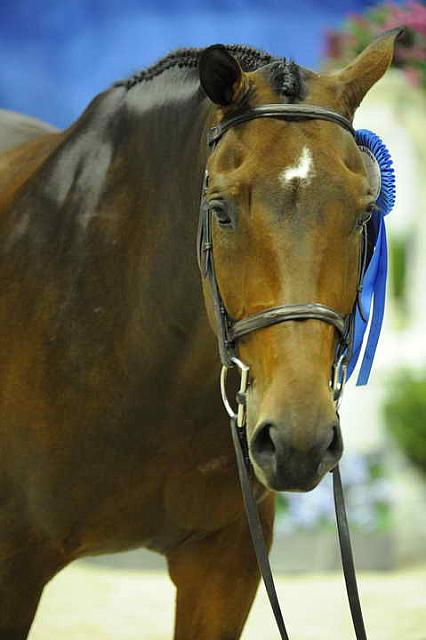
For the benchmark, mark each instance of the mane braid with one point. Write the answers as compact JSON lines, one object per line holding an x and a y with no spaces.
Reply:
{"x":286,"y":79}
{"x":285,"y":75}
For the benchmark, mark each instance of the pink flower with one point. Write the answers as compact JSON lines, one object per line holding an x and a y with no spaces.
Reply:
{"x":333,"y":44}
{"x":413,"y":16}
{"x":358,"y":31}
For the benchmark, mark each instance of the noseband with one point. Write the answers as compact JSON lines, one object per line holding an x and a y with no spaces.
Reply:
{"x":230,"y":331}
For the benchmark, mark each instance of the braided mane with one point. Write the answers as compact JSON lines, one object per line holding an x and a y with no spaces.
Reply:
{"x":285,"y":74}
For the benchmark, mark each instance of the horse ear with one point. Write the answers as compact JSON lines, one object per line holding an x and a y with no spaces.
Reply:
{"x":220,"y":75}
{"x":361,"y":74}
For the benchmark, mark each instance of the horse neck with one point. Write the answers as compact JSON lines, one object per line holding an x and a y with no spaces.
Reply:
{"x":165,"y":155}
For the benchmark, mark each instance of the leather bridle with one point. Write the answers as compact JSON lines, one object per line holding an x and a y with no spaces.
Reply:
{"x":230,"y":331}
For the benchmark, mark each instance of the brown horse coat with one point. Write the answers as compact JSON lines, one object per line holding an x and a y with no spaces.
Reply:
{"x":112,"y":434}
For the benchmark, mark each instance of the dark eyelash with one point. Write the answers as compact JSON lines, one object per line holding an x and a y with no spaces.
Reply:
{"x":220,"y":209}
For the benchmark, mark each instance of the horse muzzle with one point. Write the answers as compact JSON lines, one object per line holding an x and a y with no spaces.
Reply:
{"x":282,"y":465}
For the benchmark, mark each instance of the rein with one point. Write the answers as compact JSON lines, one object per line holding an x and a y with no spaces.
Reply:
{"x":229,"y":331}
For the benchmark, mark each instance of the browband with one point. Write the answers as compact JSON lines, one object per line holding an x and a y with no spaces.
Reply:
{"x":284,"y":111}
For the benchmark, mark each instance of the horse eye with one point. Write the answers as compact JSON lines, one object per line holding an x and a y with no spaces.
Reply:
{"x":219,"y":208}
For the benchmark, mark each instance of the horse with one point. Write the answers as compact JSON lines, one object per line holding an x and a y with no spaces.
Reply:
{"x":112,"y":430}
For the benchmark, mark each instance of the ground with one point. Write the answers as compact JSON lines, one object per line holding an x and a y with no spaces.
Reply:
{"x":90,"y":601}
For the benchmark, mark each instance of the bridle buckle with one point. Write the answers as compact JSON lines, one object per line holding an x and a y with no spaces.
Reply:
{"x":338,"y":381}
{"x":240,"y":414}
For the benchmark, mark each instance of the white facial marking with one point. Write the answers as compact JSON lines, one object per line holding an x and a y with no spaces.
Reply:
{"x":302,"y":170}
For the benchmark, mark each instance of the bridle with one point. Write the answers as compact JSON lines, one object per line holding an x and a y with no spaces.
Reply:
{"x":230,"y":331}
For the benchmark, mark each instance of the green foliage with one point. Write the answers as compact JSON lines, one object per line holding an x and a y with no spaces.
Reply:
{"x":398,"y":261}
{"x":405,"y":415}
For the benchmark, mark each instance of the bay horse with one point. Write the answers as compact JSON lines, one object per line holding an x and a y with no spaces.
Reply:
{"x":112,"y":432}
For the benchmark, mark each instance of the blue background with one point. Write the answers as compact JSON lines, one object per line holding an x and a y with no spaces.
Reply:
{"x":56,"y":55}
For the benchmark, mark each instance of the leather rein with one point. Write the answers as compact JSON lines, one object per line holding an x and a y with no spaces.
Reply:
{"x":229,"y":331}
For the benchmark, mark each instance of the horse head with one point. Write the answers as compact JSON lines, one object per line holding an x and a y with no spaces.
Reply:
{"x":289,"y":201}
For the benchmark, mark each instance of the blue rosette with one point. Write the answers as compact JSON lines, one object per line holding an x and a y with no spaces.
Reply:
{"x":371,"y":300}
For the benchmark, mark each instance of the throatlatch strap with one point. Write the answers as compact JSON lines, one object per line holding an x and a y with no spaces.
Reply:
{"x":256,"y":530}
{"x":347,"y":557}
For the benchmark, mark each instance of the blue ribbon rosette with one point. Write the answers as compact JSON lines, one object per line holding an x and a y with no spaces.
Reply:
{"x":371,"y":301}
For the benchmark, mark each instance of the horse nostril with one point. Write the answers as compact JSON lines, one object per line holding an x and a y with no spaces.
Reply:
{"x":335,"y":446}
{"x":262,"y":444}
{"x":332,"y":450}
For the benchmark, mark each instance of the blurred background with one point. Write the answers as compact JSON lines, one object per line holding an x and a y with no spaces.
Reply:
{"x":55,"y":56}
